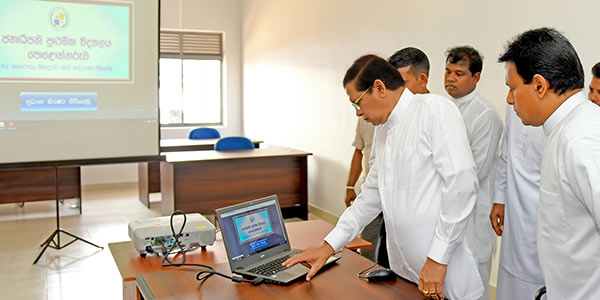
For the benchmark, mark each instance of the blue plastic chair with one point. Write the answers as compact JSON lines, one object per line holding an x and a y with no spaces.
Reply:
{"x":234,"y":143}
{"x":204,"y":133}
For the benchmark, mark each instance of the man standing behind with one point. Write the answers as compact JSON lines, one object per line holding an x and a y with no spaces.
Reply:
{"x":413,"y":65}
{"x":484,"y":129}
{"x":359,"y":168}
{"x":545,"y":80}
{"x":594,"y":93}
{"x":423,"y":179}
{"x":514,"y":213}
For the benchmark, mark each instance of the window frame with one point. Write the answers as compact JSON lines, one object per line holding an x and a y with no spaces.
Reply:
{"x":174,"y":45}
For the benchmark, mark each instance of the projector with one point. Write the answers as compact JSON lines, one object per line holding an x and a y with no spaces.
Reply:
{"x":155,"y":236}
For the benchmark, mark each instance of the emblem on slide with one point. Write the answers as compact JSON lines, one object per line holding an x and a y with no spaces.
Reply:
{"x":59,"y":18}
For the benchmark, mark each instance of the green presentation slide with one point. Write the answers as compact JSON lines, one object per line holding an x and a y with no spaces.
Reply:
{"x":87,"y":41}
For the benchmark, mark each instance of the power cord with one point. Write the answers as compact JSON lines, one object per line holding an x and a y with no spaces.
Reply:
{"x":176,"y":237}
{"x":202,"y":275}
{"x":360,"y":274}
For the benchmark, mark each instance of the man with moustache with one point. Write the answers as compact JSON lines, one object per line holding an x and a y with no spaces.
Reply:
{"x":413,"y":65}
{"x":484,"y":129}
{"x":545,"y":80}
{"x":423,"y":179}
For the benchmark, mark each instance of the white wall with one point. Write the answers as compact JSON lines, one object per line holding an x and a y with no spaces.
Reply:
{"x":296,"y":52}
{"x":223,"y":16}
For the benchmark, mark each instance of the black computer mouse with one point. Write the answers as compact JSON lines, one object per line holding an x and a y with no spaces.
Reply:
{"x":381,"y":275}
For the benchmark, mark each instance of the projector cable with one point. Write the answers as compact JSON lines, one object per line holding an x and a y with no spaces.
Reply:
{"x":204,"y":274}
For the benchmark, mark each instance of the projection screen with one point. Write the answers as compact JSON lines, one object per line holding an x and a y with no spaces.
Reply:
{"x":78,"y":80}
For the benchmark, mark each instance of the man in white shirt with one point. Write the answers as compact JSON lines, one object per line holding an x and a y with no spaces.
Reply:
{"x":423,"y":179}
{"x":413,"y":65}
{"x":484,"y":129}
{"x":594,"y":93}
{"x":545,"y":80}
{"x":514,"y":213}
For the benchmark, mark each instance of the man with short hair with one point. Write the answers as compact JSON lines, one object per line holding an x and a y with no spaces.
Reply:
{"x":545,"y":80}
{"x":594,"y":93}
{"x":484,"y":129}
{"x":413,"y":65}
{"x":423,"y":179}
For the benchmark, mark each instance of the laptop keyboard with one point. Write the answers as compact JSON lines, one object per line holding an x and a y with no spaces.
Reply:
{"x":274,"y":266}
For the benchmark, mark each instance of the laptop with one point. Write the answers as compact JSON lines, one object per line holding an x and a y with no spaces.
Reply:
{"x":256,"y":241}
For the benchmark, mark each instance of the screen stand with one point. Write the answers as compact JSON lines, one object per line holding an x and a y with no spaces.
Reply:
{"x":50,"y":242}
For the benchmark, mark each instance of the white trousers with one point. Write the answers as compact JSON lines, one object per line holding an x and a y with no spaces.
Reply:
{"x":511,"y":287}
{"x":484,"y":271}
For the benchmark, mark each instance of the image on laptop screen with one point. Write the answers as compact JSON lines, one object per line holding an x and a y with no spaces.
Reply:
{"x":253,"y":229}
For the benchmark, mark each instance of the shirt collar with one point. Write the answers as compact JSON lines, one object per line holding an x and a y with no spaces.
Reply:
{"x":394,"y":117}
{"x":563,"y":111}
{"x":465,"y":98}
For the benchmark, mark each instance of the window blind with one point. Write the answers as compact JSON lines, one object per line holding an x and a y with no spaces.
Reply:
{"x":191,"y":44}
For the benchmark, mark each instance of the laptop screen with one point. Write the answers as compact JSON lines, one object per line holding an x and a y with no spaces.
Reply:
{"x":252,"y":229}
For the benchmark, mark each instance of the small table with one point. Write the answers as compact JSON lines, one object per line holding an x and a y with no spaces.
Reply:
{"x":202,"y":181}
{"x":131,"y":264}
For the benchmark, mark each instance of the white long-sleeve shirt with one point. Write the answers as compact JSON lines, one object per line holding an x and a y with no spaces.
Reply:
{"x":424,"y":180}
{"x":484,"y":129}
{"x":568,"y":227}
{"x":517,"y":187}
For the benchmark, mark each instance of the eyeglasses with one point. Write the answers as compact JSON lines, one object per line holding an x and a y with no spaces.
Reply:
{"x":355,"y":102}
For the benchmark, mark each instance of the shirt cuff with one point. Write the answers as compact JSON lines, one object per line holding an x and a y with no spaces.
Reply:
{"x":500,"y":197}
{"x":337,"y":239}
{"x":440,"y":251}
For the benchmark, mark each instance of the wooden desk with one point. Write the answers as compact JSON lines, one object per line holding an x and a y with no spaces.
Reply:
{"x":23,"y":185}
{"x":339,"y":281}
{"x":202,"y":181}
{"x":131,"y":264}
{"x":149,"y":173}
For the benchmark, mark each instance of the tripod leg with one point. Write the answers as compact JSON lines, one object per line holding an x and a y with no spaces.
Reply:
{"x":49,"y":239}
{"x":46,"y":244}
{"x":78,"y":238}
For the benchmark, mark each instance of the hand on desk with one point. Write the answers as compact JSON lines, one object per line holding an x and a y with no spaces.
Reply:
{"x":315,"y":256}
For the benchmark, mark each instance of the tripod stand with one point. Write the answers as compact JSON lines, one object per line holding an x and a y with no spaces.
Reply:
{"x":56,"y":234}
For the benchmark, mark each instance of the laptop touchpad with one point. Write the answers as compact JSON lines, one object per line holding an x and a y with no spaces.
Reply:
{"x":297,"y":269}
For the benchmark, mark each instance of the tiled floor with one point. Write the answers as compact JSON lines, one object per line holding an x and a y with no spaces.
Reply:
{"x":79,"y":271}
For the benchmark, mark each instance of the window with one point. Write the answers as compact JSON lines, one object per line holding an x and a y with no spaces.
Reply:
{"x":190,"y":74}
